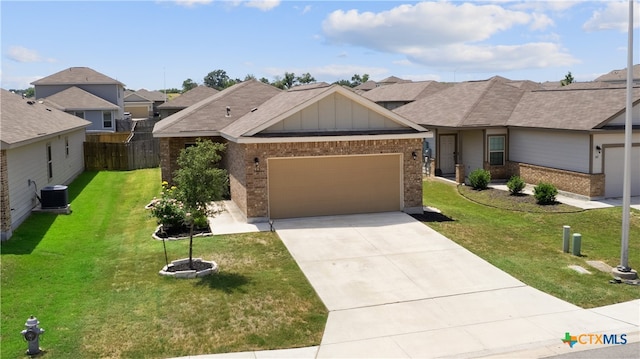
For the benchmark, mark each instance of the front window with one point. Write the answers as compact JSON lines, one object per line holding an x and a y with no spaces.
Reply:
{"x":106,"y":120}
{"x":496,"y":150}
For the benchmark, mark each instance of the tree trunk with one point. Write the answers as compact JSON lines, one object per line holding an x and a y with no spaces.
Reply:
{"x":191,"y":245}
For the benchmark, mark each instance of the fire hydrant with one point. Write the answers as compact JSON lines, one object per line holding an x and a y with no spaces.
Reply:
{"x":32,"y":335}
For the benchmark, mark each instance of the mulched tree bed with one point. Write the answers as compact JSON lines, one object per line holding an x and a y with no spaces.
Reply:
{"x":181,"y":232}
{"x":197,"y":265}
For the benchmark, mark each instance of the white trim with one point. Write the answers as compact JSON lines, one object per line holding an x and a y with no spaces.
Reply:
{"x":325,"y":138}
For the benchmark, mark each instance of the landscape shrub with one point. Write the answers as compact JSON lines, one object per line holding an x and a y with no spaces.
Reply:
{"x":515,"y":185}
{"x":168,"y":211}
{"x":479,"y":179}
{"x":545,"y":193}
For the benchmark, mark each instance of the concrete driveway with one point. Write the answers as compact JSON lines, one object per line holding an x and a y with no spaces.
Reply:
{"x":396,"y":288}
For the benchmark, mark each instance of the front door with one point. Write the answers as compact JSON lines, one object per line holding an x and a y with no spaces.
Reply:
{"x":447,"y":153}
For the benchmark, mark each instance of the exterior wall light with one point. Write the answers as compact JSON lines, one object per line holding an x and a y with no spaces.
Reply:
{"x":414,"y":155}
{"x":256,"y":163}
{"x":599,"y":149}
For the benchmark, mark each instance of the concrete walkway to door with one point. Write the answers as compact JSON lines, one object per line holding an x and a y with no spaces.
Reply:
{"x":396,"y":288}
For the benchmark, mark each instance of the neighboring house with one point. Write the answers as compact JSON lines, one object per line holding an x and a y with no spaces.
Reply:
{"x":402,"y":93}
{"x":185,"y":100}
{"x":571,"y":136}
{"x":39,"y":146}
{"x":312,"y":150}
{"x":89,"y":81}
{"x":619,"y":77}
{"x":99,"y":112}
{"x":143,"y":103}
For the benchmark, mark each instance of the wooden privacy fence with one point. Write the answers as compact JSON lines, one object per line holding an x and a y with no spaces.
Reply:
{"x":123,"y":151}
{"x":121,"y":156}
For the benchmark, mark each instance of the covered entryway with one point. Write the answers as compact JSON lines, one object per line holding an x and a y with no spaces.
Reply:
{"x":329,"y":185}
{"x":614,"y":171}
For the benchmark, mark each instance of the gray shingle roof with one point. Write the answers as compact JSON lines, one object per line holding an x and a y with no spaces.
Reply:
{"x":466,"y":104}
{"x":24,"y":121}
{"x":404,"y":91}
{"x":154,"y":96}
{"x":75,"y":98}
{"x":620,"y":75}
{"x":77,"y":76}
{"x":570,"y":109}
{"x":286,"y":103}
{"x":189,"y":98}
{"x":210,"y":114}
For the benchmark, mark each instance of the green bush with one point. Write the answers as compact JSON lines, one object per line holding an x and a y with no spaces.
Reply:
{"x":545,"y":193}
{"x":515,"y":185}
{"x":479,"y":179}
{"x":168,"y":211}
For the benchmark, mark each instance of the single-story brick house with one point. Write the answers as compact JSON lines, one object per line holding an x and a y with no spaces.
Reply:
{"x":312,"y":150}
{"x":571,"y":136}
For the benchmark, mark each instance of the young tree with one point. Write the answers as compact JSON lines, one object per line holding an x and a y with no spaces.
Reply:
{"x":199,"y":181}
{"x":568,"y":79}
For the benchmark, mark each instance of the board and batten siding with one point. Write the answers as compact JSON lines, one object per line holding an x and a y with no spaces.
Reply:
{"x":29,"y":162}
{"x":555,"y":149}
{"x":335,"y":112}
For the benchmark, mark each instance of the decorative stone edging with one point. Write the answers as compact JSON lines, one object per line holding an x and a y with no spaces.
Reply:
{"x":188,"y":274}
{"x":156,"y":237}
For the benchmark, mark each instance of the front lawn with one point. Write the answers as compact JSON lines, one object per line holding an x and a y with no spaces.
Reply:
{"x":528,"y":245}
{"x":91,"y":278}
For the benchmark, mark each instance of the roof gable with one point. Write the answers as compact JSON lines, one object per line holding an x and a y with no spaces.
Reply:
{"x":136,"y":97}
{"x":77,"y":76}
{"x":75,"y":98}
{"x":24,"y":121}
{"x":320,"y":108}
{"x":404,"y":91}
{"x":466,"y":104}
{"x":155,"y":96}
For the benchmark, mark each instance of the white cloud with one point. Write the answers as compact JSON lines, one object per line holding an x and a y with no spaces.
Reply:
{"x":489,"y":58}
{"x":264,"y":5}
{"x":330,"y":72}
{"x":615,"y":16}
{"x":22,"y":54}
{"x":448,"y":35}
{"x":192,"y":3}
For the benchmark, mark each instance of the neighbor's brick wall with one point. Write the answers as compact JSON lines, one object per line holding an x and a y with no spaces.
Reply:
{"x":5,"y":205}
{"x":590,"y":185}
{"x":170,"y":150}
{"x":256,"y":180}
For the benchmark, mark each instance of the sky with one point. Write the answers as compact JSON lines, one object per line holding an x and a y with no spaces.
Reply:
{"x":160,"y":44}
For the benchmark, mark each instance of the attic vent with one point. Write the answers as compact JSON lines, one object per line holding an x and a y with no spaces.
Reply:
{"x":31,"y":102}
{"x":228,"y":111}
{"x":254,"y":109}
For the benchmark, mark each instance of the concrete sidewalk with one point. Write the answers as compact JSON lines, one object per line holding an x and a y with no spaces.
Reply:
{"x":396,"y":288}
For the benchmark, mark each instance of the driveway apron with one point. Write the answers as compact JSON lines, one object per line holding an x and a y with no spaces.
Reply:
{"x":396,"y":288}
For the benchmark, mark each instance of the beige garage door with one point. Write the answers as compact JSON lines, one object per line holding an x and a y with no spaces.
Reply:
{"x":318,"y":186}
{"x":614,"y":171}
{"x":137,"y":111}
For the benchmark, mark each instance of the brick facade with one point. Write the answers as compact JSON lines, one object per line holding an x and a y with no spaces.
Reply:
{"x":170,"y":148}
{"x":5,"y":205}
{"x":249,"y":183}
{"x":584,"y":184}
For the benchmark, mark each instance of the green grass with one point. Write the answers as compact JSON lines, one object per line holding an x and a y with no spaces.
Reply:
{"x":528,"y":245}
{"x":91,"y":278}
